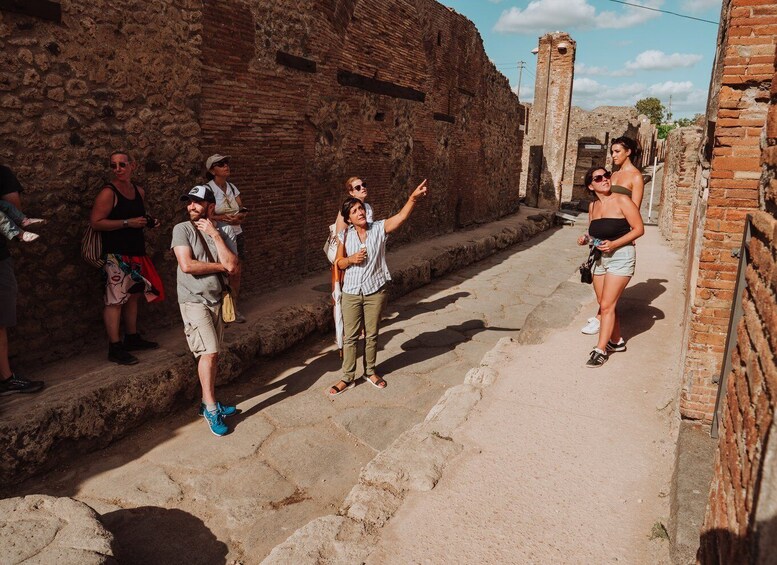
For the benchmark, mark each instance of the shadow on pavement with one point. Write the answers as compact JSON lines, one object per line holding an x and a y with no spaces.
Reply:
{"x":150,"y":534}
{"x":635,"y":310}
{"x":428,"y":345}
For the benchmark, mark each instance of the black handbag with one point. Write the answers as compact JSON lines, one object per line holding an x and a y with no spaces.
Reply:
{"x":586,"y":269}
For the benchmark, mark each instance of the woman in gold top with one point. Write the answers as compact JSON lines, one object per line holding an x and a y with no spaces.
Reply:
{"x":628,"y":178}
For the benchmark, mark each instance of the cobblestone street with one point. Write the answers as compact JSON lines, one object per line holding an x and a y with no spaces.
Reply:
{"x":294,"y":454}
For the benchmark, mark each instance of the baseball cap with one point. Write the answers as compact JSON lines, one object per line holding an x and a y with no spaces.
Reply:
{"x":214,"y":159}
{"x":200,"y":193}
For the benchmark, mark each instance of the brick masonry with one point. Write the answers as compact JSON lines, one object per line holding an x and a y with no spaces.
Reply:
{"x":679,"y":181}
{"x":732,"y":190}
{"x":549,"y":119}
{"x":301,"y":94}
{"x":741,"y":520}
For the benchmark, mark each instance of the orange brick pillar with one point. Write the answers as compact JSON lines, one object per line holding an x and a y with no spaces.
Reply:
{"x":747,"y":54}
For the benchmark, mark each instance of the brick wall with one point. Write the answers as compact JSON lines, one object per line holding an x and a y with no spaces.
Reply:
{"x":679,"y":183}
{"x":746,"y":52}
{"x":741,"y":520}
{"x":302,"y":95}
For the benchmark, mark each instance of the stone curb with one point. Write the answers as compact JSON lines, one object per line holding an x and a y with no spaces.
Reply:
{"x":85,"y":418}
{"x":415,"y":461}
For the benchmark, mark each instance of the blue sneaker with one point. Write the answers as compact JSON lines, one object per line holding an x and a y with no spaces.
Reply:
{"x":216,"y":424}
{"x":223,"y":410}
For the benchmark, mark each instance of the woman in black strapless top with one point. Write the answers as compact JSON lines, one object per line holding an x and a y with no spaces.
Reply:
{"x":614,"y":224}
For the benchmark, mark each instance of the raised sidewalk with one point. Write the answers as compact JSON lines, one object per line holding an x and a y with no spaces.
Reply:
{"x":88,"y":402}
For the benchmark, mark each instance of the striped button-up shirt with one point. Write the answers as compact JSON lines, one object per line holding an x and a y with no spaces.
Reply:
{"x":373,"y":273}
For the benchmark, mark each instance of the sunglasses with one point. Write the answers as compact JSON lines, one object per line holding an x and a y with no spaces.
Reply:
{"x":118,"y":164}
{"x":600,"y":178}
{"x":359,"y":187}
{"x":221,"y":163}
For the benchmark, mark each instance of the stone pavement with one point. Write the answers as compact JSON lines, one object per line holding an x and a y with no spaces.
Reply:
{"x":172,"y":492}
{"x":535,"y":458}
{"x":88,"y":402}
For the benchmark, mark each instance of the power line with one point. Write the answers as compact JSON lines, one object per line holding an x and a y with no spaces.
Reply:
{"x":664,"y":12}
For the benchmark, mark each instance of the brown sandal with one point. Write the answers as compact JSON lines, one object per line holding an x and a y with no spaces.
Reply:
{"x":378,"y":382}
{"x":335,"y":389}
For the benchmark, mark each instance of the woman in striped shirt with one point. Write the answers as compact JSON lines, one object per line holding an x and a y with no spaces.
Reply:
{"x":362,"y":255}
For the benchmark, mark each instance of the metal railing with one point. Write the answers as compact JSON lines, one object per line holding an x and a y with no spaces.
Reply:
{"x":733,"y":322}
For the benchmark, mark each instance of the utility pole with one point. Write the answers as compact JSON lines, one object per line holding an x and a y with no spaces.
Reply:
{"x":521,"y":66}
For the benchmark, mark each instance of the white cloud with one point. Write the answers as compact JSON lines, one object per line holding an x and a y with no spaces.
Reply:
{"x":588,"y":93}
{"x":541,"y":16}
{"x":665,"y":89}
{"x":653,"y":60}
{"x":586,"y":70}
{"x":701,"y":5}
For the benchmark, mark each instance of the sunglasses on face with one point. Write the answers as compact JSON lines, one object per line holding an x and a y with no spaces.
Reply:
{"x":221,"y":164}
{"x":359,"y":187}
{"x":118,"y":164}
{"x":600,"y":178}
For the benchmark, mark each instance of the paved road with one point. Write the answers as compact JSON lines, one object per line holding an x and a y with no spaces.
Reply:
{"x":172,"y":492}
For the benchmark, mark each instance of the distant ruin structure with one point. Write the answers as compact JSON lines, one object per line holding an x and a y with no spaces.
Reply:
{"x":549,"y":119}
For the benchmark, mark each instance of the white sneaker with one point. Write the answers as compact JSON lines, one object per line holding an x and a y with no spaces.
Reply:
{"x":592,"y":327}
{"x":28,"y":236}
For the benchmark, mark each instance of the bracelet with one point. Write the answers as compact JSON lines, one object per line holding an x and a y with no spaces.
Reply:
{"x":125,"y":223}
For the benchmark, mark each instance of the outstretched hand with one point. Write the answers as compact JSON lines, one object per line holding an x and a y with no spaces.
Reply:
{"x":419,"y":191}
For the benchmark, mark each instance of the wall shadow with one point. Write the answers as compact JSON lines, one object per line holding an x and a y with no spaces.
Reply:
{"x":150,"y":534}
{"x":759,"y":547}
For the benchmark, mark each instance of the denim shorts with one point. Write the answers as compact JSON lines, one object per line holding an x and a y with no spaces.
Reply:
{"x":620,"y":262}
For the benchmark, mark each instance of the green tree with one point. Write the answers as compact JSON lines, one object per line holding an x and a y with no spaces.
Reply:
{"x":664,"y":129}
{"x":652,"y":108}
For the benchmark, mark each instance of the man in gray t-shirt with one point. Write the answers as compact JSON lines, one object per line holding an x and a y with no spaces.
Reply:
{"x":199,"y":285}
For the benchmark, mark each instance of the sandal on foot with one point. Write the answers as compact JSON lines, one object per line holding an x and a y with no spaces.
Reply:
{"x":377,"y":383}
{"x":334,"y":390}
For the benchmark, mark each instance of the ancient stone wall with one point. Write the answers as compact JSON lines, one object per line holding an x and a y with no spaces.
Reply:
{"x":746,"y":53}
{"x":301,"y":95}
{"x":588,"y":143}
{"x":110,"y":75}
{"x":680,"y":168}
{"x":741,"y":519}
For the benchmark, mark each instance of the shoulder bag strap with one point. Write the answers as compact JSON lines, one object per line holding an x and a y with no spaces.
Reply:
{"x":224,"y":285}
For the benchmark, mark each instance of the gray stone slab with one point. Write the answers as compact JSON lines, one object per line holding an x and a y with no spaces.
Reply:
{"x":248,"y":434}
{"x":377,"y":426}
{"x":451,"y":374}
{"x":238,"y":493}
{"x":338,"y":459}
{"x":140,"y":483}
{"x":46,"y":530}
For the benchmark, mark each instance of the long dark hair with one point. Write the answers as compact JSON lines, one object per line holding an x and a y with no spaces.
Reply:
{"x":630,"y":144}
{"x":345,"y":210}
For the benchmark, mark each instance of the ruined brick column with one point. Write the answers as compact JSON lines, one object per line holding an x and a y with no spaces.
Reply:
{"x":549,"y":121}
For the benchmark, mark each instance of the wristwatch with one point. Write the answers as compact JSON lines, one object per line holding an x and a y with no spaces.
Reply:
{"x":125,"y":223}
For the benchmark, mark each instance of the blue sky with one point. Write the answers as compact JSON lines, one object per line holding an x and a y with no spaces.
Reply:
{"x":623,"y":53}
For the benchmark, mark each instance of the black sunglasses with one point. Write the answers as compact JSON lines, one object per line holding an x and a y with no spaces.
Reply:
{"x":362,"y":186}
{"x":117,"y":164}
{"x":221,"y":163}
{"x":600,"y":178}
